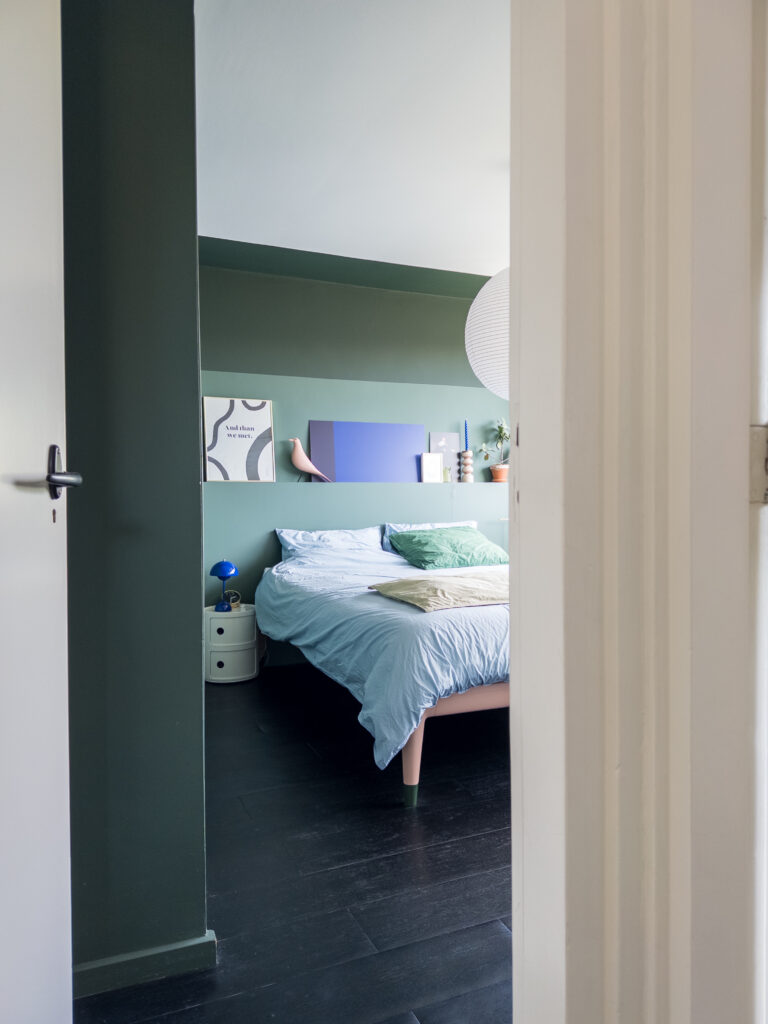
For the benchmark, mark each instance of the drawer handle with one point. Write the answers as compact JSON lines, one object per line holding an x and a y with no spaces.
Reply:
{"x":220,"y":630}
{"x":219,"y":664}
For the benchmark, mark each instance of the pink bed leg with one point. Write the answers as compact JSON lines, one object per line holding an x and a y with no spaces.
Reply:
{"x":412,"y":765}
{"x":478,"y":698}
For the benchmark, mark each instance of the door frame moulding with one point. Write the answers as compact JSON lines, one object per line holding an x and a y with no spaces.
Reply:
{"x":758,"y":513}
{"x":633,"y":769}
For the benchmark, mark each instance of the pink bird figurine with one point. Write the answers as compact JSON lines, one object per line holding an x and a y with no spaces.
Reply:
{"x":301,"y":460}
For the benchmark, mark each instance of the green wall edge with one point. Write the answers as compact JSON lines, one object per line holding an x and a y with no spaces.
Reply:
{"x":315,"y":266}
{"x":114,"y":972}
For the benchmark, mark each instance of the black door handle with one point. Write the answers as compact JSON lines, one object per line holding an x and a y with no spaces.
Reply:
{"x":56,"y":477}
{"x":64,"y":479}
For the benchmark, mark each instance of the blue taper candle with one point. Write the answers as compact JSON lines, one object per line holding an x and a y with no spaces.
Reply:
{"x":466,"y":437}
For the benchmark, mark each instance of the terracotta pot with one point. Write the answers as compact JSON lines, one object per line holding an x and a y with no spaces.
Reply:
{"x":499,"y":474}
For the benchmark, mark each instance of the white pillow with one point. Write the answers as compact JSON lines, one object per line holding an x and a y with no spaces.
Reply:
{"x":310,"y":544}
{"x":390,"y":528}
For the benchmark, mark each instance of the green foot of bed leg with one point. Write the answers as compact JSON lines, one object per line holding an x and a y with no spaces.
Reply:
{"x":411,"y":795}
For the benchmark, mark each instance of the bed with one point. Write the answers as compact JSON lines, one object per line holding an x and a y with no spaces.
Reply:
{"x":403,"y":665}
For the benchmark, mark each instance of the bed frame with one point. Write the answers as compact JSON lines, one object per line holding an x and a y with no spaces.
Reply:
{"x":478,"y":698}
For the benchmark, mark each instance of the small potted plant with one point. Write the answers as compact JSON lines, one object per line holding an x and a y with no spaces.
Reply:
{"x":499,"y":463}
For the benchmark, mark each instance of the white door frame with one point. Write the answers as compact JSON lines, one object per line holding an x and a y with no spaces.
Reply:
{"x":633,"y":718}
{"x":759,"y":513}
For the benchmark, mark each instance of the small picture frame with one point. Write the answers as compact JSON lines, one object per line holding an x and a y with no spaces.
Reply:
{"x":239,"y":442}
{"x":431,"y":467}
{"x":448,"y":444}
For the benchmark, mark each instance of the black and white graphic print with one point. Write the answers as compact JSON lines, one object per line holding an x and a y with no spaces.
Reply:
{"x":238,"y":439}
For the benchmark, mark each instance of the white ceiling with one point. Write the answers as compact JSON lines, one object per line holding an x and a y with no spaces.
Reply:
{"x":377,"y":129}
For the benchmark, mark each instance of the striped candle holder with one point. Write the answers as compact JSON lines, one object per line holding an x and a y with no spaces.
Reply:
{"x":467,"y":466}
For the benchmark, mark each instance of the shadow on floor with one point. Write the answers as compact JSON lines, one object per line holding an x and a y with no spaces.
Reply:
{"x":331,"y":902}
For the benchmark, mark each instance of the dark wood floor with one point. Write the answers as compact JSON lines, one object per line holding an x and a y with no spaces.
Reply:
{"x":332,"y":903}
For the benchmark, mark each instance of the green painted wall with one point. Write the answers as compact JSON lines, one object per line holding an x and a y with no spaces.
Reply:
{"x":137,"y":782}
{"x":323,"y":349}
{"x":240,"y":517}
{"x":268,"y":323}
{"x":320,"y":266}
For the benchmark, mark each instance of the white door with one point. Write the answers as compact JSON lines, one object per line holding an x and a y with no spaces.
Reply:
{"x":35,"y":947}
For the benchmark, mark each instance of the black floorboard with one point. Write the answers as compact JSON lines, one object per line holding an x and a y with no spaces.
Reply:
{"x":333,"y":904}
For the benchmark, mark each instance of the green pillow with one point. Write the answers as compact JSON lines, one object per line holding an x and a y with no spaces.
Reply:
{"x":452,"y":547}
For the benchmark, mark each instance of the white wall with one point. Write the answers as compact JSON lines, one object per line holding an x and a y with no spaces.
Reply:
{"x":372,"y":130}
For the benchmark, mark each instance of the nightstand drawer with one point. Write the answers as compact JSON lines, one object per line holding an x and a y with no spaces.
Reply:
{"x":231,"y":628}
{"x":230,"y":666}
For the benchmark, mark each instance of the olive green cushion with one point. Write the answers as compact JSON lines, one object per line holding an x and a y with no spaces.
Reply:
{"x":453,"y":547}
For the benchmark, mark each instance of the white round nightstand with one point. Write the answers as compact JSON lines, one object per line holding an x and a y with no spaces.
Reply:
{"x":231,"y":645}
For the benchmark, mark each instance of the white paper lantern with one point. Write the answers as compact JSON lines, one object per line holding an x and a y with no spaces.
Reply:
{"x":486,"y":335}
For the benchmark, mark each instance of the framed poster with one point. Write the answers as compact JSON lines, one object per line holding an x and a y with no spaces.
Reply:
{"x":449,"y":445}
{"x":432,"y":467}
{"x":238,"y":439}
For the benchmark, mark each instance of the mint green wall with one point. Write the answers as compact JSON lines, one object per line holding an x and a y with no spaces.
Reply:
{"x":240,"y":517}
{"x":136,"y":709}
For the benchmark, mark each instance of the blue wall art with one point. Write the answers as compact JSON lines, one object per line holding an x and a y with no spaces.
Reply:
{"x":350,"y":452}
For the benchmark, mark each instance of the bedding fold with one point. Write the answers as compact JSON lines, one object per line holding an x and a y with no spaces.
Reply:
{"x":436,"y":593}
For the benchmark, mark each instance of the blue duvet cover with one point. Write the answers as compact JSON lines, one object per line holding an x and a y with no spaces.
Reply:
{"x":396,"y":659}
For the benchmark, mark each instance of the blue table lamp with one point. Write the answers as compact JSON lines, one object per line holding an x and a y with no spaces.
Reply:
{"x":224,"y":571}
